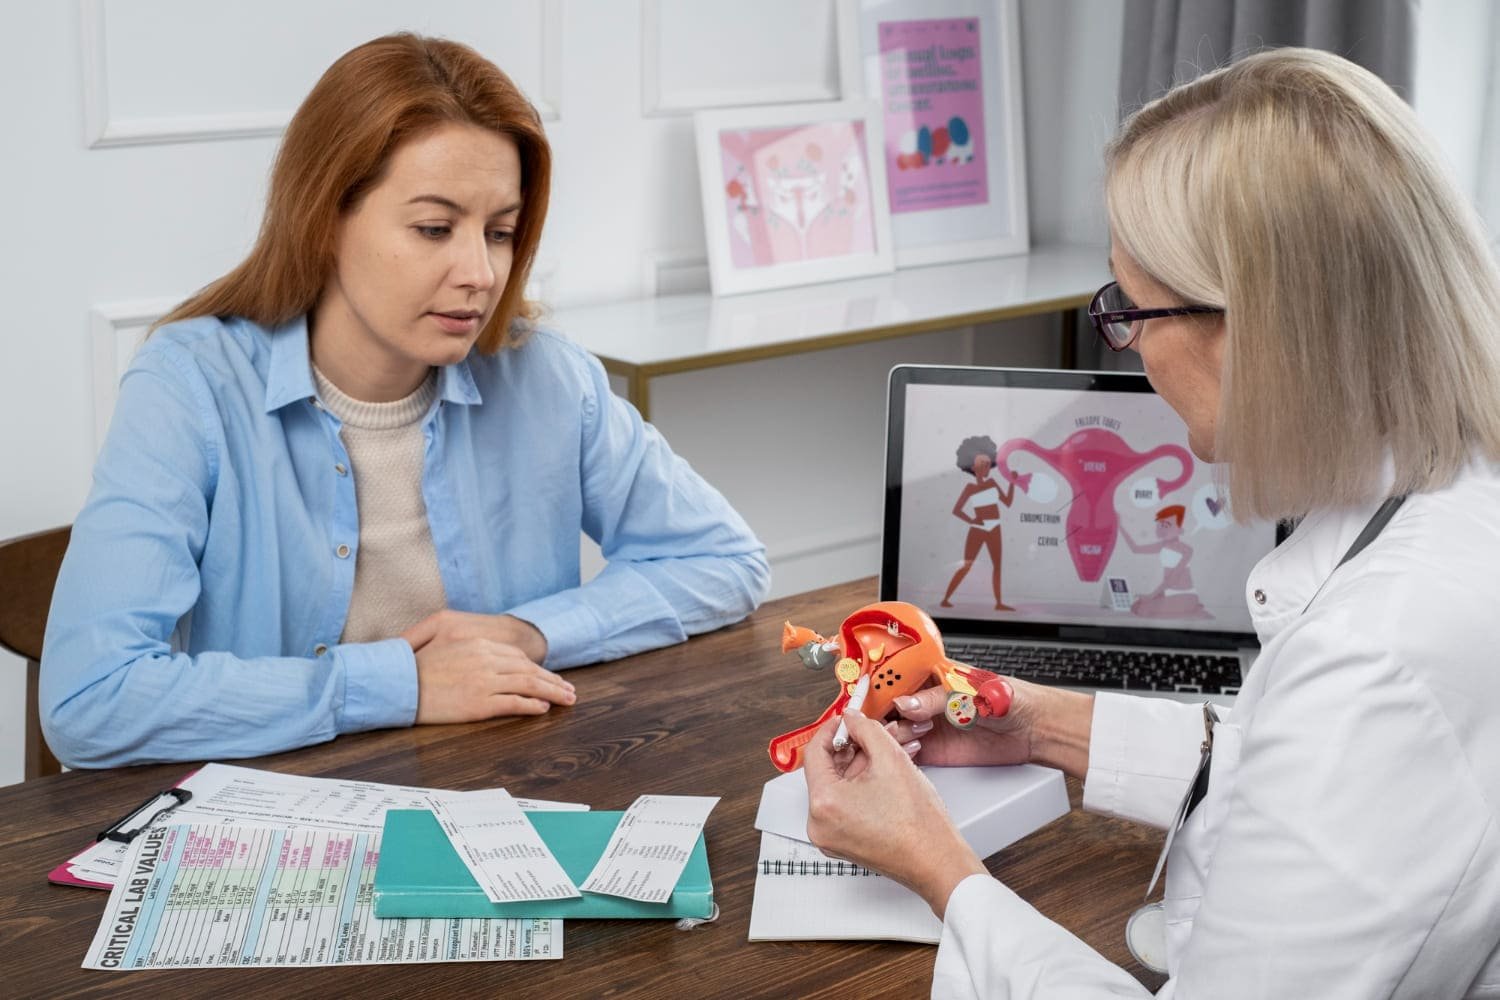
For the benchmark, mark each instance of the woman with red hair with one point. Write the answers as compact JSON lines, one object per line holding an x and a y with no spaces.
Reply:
{"x":344,"y":484}
{"x":1173,"y":597}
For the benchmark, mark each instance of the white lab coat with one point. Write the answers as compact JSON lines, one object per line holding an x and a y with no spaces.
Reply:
{"x":1349,"y":843}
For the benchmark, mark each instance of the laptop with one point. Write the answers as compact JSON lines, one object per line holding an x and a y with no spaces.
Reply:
{"x":1119,"y":563}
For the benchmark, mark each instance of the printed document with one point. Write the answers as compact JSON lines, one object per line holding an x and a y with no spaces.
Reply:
{"x":225,"y":793}
{"x":650,"y":847}
{"x":211,"y":896}
{"x":500,"y":847}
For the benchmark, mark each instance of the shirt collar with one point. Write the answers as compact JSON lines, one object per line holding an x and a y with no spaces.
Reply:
{"x":290,"y":377}
{"x":1286,"y":578}
{"x":456,"y":384}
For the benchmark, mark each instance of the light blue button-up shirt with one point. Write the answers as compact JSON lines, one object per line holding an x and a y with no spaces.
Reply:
{"x":200,"y":605}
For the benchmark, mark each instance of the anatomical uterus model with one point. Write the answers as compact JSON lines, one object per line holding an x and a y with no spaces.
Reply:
{"x":1094,"y":462}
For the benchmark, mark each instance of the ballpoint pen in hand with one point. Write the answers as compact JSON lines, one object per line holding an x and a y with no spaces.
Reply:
{"x":856,"y":703}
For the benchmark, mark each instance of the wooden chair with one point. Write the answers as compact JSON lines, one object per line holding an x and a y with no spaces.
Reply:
{"x":28,"y":572}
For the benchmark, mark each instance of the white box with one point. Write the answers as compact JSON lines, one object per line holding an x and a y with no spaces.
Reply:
{"x":993,"y":807}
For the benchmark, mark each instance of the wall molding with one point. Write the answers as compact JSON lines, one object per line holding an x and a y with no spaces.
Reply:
{"x":101,"y":130}
{"x":673,"y":272}
{"x":810,"y":546}
{"x":116,"y":329}
{"x":657,"y":102}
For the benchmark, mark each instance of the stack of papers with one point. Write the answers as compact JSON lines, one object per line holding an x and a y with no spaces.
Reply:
{"x":263,"y":869}
{"x":227,"y":794}
{"x":205,"y":896}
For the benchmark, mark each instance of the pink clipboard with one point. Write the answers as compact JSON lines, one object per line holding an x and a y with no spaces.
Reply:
{"x":63,"y":873}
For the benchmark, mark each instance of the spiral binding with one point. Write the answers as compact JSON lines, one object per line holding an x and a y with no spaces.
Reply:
{"x":813,"y":868}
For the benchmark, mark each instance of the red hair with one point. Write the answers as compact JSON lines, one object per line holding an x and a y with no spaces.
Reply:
{"x":336,"y":148}
{"x":1175,"y":512}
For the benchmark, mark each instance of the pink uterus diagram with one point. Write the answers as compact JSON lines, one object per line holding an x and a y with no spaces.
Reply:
{"x":1094,"y":461}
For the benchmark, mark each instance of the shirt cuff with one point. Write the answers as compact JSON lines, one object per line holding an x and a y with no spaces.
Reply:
{"x":380,"y":684}
{"x":1142,"y":754}
{"x":985,"y":927}
{"x":978,"y":894}
{"x":996,"y":944}
{"x":567,"y":623}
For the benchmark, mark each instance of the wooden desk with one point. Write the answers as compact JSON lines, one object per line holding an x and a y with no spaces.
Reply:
{"x":643,"y":338}
{"x":693,"y":719}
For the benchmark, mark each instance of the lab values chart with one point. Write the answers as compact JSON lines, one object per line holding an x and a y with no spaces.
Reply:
{"x":212,"y":896}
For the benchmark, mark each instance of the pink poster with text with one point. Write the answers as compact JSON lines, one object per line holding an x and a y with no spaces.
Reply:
{"x":930,"y":81}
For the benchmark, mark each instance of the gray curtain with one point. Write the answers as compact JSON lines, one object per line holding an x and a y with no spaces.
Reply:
{"x":1167,"y":42}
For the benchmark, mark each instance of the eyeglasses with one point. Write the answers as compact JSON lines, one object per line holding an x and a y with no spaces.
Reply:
{"x":1118,"y":321}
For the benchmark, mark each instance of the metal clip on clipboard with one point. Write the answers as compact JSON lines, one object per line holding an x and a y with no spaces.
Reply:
{"x":123,"y":832}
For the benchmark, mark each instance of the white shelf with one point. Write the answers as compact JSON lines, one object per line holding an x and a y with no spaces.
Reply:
{"x":642,"y":338}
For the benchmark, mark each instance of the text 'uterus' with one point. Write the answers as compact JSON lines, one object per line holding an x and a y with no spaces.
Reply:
{"x":1094,"y":462}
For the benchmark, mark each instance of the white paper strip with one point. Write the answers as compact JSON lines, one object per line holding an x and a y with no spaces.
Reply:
{"x":650,"y":847}
{"x":500,"y":847}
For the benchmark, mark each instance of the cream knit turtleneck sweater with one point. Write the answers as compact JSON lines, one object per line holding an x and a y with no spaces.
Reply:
{"x":396,"y":578}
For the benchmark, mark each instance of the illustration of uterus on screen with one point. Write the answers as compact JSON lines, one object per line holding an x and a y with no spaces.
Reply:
{"x":1094,"y":461}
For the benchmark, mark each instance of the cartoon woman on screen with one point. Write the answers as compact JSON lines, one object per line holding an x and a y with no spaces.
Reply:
{"x":979,"y":505}
{"x":1174,"y":597}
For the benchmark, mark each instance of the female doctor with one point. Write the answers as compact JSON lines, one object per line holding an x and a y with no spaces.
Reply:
{"x":1316,"y":301}
{"x":344,"y":484}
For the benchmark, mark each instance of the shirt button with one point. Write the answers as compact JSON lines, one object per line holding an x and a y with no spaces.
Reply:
{"x":1260,"y":596}
{"x":343,"y":553}
{"x":320,"y":649}
{"x":341,"y":469}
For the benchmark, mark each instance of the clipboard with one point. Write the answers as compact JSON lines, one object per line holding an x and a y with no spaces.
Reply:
{"x":124,"y":830}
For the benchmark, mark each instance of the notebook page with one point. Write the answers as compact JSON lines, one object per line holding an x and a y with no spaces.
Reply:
{"x":801,"y":894}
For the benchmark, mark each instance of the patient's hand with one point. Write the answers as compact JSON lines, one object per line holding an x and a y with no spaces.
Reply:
{"x":473,"y":667}
{"x":454,"y":625}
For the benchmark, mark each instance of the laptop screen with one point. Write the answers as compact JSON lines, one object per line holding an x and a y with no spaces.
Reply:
{"x":1058,"y":504}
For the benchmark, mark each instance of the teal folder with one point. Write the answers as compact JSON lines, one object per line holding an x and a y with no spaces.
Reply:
{"x":421,"y":875}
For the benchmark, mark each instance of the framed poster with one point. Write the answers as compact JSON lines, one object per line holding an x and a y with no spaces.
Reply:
{"x":793,"y":194}
{"x":947,"y":77}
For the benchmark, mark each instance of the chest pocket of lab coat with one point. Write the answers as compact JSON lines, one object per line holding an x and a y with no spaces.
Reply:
{"x":1192,"y":851}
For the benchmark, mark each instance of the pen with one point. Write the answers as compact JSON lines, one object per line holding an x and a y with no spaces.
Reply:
{"x":856,"y":702}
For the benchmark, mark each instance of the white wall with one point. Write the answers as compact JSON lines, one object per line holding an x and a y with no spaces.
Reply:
{"x":108,"y":209}
{"x":1453,"y":86}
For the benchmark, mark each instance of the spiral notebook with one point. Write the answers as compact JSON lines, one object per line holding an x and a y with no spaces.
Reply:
{"x":801,"y":894}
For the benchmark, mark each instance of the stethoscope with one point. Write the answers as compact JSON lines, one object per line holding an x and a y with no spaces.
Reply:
{"x":1146,"y":930}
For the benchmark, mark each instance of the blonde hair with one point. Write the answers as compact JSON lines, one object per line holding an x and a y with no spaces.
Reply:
{"x":1295,"y":190}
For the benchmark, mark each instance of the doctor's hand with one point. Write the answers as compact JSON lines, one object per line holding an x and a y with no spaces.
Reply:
{"x":873,"y":807}
{"x":467,"y":670}
{"x":1045,"y":725}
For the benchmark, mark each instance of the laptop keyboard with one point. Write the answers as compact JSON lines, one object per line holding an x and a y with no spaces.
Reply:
{"x":1096,"y":667}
